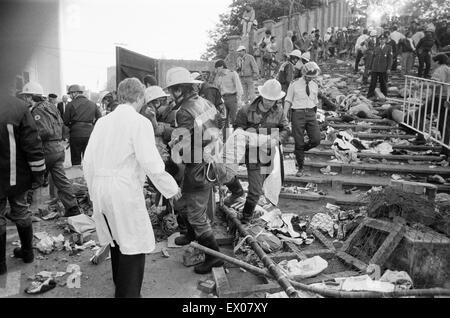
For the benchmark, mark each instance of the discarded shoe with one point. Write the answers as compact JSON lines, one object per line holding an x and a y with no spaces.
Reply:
{"x":39,"y":288}
{"x":436,"y":179}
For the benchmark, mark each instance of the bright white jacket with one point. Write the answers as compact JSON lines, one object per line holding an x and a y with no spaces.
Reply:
{"x":120,"y":153}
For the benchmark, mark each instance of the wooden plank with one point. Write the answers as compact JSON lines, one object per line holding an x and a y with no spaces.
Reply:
{"x":320,"y":252}
{"x":262,"y":288}
{"x":324,"y":240}
{"x":383,"y":225}
{"x":352,"y":261}
{"x":278,"y":257}
{"x":388,"y":246}
{"x":221,"y":280}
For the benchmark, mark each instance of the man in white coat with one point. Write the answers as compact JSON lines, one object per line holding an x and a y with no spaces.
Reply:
{"x":120,"y":153}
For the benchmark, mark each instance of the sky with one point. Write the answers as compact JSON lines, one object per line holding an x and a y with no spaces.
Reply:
{"x":162,"y":29}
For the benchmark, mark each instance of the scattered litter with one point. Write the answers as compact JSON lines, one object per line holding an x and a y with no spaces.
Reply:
{"x":303,"y":269}
{"x":400,"y":279}
{"x":396,"y":177}
{"x":165,"y":253}
{"x":327,"y":171}
{"x":365,"y":283}
{"x":323,"y":222}
{"x":171,"y":240}
{"x":101,"y":254}
{"x":40,"y":288}
{"x":81,"y":224}
{"x":436,"y":179}
{"x":51,"y":216}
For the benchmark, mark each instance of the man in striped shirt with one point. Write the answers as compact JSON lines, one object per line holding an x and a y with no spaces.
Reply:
{"x":22,"y":166}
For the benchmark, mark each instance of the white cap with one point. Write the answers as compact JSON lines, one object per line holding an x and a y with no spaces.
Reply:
{"x":179,"y":75}
{"x":311,"y":69}
{"x":271,"y":90}
{"x":241,"y":48}
{"x":306,"y":56}
{"x":154,"y":92}
{"x":32,"y":88}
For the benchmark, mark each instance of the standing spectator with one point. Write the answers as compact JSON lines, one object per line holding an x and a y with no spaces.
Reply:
{"x":316,"y":46}
{"x":80,"y":116}
{"x":62,"y":105}
{"x":423,"y":49}
{"x":305,"y":42}
{"x":120,"y":154}
{"x":407,"y":51}
{"x":393,"y":46}
{"x":380,"y":66}
{"x":247,"y":20}
{"x":23,"y":165}
{"x":444,"y":39}
{"x":369,"y":47}
{"x":327,"y":44}
{"x":395,"y":38}
{"x":265,"y":53}
{"x":302,"y":101}
{"x":360,"y":49}
{"x":248,"y":71}
{"x":418,"y":35}
{"x":257,"y":54}
{"x":341,"y":42}
{"x":209,"y":92}
{"x":231,"y":89}
{"x":50,"y":128}
{"x":288,"y":45}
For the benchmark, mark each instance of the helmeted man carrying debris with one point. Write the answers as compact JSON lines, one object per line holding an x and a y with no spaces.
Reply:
{"x":23,"y":166}
{"x":115,"y":170}
{"x":80,"y":116}
{"x":197,"y":130}
{"x":264,"y":115}
{"x":301,"y":101}
{"x":50,"y":126}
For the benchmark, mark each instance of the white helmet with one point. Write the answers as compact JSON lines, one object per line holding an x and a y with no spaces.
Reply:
{"x":179,"y":75}
{"x":311,"y":69}
{"x":241,"y":48}
{"x":306,"y":56}
{"x":154,"y":92}
{"x":296,"y":53}
{"x":329,"y":30}
{"x":32,"y":88}
{"x":271,"y":90}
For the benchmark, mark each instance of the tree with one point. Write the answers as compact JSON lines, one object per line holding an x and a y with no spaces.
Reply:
{"x":230,"y":23}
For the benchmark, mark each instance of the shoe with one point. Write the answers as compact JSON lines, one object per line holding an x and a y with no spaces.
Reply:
{"x":188,"y":237}
{"x":247,"y":212}
{"x":419,"y":141}
{"x":232,"y":198}
{"x":25,"y":252}
{"x":208,"y":240}
{"x":73,"y":211}
{"x":300,"y":173}
{"x":3,"y":268}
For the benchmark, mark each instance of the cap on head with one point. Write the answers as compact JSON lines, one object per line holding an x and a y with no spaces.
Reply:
{"x":241,"y":48}
{"x":75,"y":89}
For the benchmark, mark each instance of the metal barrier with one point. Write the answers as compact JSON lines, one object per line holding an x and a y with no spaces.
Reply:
{"x":426,"y":108}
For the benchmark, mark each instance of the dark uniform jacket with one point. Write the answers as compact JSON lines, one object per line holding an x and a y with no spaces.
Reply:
{"x":21,"y":153}
{"x":425,"y":45}
{"x":382,"y":59}
{"x":250,"y":117}
{"x":80,"y":116}
{"x":50,"y":126}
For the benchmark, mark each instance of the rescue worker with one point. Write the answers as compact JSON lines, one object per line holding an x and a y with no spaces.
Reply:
{"x":368,"y":47}
{"x":80,"y":116}
{"x":264,"y":115}
{"x":120,"y":153}
{"x":50,"y":127}
{"x":22,"y":168}
{"x":380,"y":66}
{"x":209,"y":92}
{"x":197,"y":116}
{"x":301,"y":101}
{"x":286,"y":73}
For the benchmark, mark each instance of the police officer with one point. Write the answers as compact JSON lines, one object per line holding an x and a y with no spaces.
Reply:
{"x":50,"y":127}
{"x":22,"y":168}
{"x":194,"y":116}
{"x":80,"y":116}
{"x":263,"y":116}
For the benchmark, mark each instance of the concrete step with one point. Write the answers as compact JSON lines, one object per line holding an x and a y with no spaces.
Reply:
{"x":317,"y":153}
{"x":386,"y":122}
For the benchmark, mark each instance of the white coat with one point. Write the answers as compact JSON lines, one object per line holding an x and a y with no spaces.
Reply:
{"x":120,"y":153}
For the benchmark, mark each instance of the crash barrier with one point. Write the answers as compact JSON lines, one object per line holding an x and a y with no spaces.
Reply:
{"x":426,"y":108}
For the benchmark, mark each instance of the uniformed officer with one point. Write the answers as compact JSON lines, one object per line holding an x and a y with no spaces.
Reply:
{"x":22,"y":168}
{"x":263,"y":116}
{"x":50,"y":126}
{"x":80,"y":116}
{"x":195,"y":116}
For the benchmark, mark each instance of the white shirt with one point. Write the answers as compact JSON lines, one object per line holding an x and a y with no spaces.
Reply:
{"x":120,"y":153}
{"x":417,"y":36}
{"x":397,"y":36}
{"x":360,"y":40}
{"x":297,"y":96}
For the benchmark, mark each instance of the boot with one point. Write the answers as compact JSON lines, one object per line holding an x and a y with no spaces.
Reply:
{"x":419,"y":141}
{"x":231,"y":199}
{"x":247,"y":213}
{"x":3,"y":253}
{"x":73,"y":211}
{"x":188,"y":237}
{"x":25,"y":252}
{"x":208,"y":240}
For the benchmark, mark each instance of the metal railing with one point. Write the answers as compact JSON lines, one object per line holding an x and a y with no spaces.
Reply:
{"x":426,"y":108}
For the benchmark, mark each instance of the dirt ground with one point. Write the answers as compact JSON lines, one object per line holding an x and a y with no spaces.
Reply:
{"x":164,"y":277}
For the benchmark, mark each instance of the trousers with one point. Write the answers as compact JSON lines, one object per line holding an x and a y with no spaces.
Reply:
{"x":77,"y":148}
{"x":377,"y":77}
{"x":18,"y":214}
{"x":304,"y":119}
{"x":231,"y":104}
{"x":248,"y":84}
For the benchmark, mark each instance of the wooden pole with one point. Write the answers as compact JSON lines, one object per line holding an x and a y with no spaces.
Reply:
{"x":267,"y":261}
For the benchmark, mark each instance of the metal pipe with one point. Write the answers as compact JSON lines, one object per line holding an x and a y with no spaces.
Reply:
{"x":267,"y":261}
{"x":323,"y":291}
